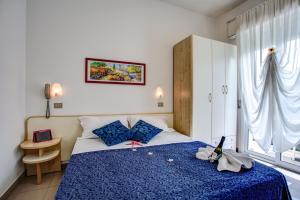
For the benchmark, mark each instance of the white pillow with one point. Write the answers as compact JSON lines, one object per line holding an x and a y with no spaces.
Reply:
{"x":90,"y":123}
{"x":154,"y":121}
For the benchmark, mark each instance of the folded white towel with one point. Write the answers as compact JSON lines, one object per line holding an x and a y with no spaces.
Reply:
{"x":230,"y":160}
{"x":204,"y":153}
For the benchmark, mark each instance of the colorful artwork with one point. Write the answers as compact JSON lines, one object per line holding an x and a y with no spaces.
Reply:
{"x":116,"y":72}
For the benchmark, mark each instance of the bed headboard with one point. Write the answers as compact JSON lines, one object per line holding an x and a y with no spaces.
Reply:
{"x":68,"y":128}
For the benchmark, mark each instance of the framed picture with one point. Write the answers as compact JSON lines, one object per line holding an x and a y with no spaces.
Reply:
{"x":114,"y":72}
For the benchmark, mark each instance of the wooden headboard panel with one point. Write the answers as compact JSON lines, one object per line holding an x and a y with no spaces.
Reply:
{"x":68,"y":128}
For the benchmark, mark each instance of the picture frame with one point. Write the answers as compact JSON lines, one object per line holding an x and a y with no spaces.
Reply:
{"x":42,"y":135}
{"x":114,"y":72}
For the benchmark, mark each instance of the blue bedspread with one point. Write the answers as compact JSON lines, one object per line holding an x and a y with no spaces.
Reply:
{"x":126,"y":174}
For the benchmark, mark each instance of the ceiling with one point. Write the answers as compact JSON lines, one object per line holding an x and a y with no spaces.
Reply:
{"x":211,"y":8}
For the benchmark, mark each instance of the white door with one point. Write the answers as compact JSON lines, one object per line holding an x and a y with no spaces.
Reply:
{"x":202,"y":88}
{"x":218,"y":105}
{"x":231,"y":91}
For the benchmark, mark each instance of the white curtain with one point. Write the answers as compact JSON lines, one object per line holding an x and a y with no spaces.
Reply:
{"x":270,"y":82}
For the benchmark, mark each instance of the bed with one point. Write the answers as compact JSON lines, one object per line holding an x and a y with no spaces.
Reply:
{"x":165,"y":168}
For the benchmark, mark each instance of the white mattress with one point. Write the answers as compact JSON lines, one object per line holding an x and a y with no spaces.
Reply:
{"x":86,"y":145}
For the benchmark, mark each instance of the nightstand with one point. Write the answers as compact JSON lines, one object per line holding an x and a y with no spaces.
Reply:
{"x":42,"y":157}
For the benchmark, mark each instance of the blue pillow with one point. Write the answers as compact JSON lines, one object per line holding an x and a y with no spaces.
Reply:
{"x":113,"y":133}
{"x":144,"y":132}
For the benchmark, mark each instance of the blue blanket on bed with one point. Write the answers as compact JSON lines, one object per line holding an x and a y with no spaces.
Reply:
{"x":126,"y":174}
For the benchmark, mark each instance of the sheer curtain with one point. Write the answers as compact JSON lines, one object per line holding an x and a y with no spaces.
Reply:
{"x":270,"y":82}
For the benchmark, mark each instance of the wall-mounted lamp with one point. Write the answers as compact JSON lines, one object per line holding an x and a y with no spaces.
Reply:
{"x":51,"y":91}
{"x":159,"y":95}
{"x":56,"y":90}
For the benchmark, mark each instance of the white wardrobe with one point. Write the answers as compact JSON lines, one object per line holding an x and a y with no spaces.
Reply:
{"x":205,"y":90}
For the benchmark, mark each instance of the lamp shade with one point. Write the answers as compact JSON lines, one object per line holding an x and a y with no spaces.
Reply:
{"x":159,"y":93}
{"x":56,"y":90}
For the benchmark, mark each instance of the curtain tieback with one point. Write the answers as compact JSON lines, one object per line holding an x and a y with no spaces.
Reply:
{"x":272,"y":50}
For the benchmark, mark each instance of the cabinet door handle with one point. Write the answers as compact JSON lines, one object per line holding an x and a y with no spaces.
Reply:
{"x":226,"y":89}
{"x":223,"y":89}
{"x":209,"y":97}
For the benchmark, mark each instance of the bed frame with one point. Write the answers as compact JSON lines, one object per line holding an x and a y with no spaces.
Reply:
{"x":68,"y":128}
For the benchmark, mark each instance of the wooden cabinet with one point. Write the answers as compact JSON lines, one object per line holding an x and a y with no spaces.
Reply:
{"x":231,"y":90}
{"x":183,"y":98}
{"x":202,"y":89}
{"x":205,"y":90}
{"x":218,"y":91}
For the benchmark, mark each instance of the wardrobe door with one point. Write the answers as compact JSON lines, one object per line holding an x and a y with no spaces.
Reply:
{"x":231,"y":90}
{"x":202,"y":88}
{"x":218,"y":105}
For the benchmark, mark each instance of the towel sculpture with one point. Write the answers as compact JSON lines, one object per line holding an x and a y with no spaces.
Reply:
{"x":229,"y":160}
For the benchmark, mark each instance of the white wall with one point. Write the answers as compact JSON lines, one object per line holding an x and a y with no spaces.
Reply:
{"x":221,"y":28}
{"x":61,"y":33}
{"x":12,"y":89}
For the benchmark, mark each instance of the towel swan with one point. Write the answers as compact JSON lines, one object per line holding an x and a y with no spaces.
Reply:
{"x":230,"y":160}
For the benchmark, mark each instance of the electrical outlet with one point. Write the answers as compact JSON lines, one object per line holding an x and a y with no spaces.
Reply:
{"x":160,"y":104}
{"x":58,"y":105}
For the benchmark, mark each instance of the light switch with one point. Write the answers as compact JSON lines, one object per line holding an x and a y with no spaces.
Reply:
{"x":58,"y":105}
{"x":160,"y":104}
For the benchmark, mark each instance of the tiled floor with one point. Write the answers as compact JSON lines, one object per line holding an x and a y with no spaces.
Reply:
{"x":28,"y":190}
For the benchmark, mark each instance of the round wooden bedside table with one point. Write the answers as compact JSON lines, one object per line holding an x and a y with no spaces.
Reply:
{"x":42,"y":153}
